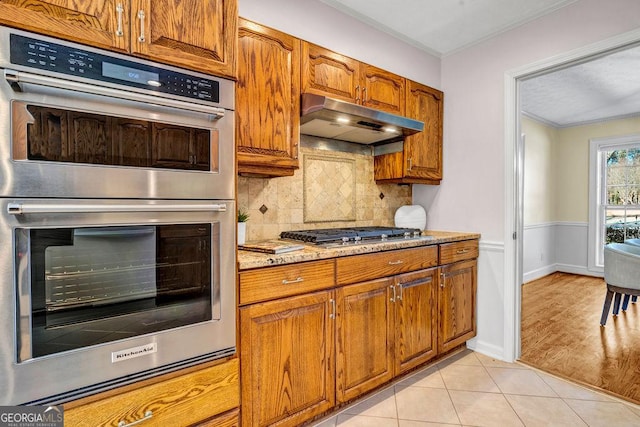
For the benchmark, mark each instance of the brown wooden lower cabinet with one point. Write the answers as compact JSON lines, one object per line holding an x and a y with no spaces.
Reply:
{"x":302,"y":355}
{"x":287,"y":360}
{"x":364,"y":358}
{"x":177,"y":401}
{"x":384,"y":328}
{"x":457,"y":304}
{"x":416,"y":319}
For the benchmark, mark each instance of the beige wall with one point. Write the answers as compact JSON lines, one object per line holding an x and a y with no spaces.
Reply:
{"x":566,"y":174}
{"x":572,"y":156}
{"x":336,"y":185}
{"x":539,"y":172}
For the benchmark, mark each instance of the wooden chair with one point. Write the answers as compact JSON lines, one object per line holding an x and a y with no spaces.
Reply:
{"x":622,"y":275}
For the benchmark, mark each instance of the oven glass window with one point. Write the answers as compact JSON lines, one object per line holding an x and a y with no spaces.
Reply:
{"x":58,"y":135}
{"x":95,"y":285}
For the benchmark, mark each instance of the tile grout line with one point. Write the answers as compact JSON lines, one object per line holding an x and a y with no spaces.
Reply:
{"x":504,"y":395}
{"x":563,"y":399}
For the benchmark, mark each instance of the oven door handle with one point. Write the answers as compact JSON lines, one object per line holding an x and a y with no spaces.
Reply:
{"x":14,"y":78}
{"x":38,"y":208}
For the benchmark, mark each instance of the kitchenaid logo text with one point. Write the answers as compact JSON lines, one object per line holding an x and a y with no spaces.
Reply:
{"x":130,"y":353}
{"x":31,"y":416}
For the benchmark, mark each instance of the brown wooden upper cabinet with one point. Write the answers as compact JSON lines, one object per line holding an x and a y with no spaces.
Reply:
{"x":267,"y":101}
{"x":325,"y":72}
{"x":194,"y":34}
{"x":420,"y":160}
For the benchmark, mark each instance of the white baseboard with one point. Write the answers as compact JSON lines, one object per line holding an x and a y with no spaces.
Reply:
{"x":538,"y":273}
{"x":577,"y":269}
{"x":487,"y":349}
{"x":563,"y":268}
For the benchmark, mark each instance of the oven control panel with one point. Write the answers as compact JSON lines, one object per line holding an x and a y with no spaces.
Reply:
{"x":60,"y":58}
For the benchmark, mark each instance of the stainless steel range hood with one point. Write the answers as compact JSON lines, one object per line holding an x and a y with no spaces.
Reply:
{"x":333,"y":119}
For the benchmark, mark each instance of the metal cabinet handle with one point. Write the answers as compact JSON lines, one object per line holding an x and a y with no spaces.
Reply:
{"x":398,"y":262}
{"x":364,"y":95}
{"x":393,"y":290}
{"x":288,"y":282}
{"x":400,"y":293}
{"x":119,"y":10}
{"x":147,"y":416}
{"x":357,"y":94}
{"x":442,"y":280}
{"x":410,"y":160}
{"x":332,"y":315}
{"x":141,"y":18}
{"x":462,"y":251}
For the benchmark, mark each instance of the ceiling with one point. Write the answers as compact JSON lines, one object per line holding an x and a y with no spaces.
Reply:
{"x":604,"y":88}
{"x":442,"y":27}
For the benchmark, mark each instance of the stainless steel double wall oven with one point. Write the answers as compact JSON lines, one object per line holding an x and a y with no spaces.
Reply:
{"x":117,"y":222}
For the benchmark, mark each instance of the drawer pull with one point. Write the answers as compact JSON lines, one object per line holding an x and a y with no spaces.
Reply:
{"x":288,"y":282}
{"x":462,"y":251}
{"x":393,"y":291}
{"x":147,"y":416}
{"x":333,"y":309}
{"x":396,"y":262}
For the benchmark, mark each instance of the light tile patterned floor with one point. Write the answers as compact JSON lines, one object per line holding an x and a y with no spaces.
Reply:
{"x":470,"y":389}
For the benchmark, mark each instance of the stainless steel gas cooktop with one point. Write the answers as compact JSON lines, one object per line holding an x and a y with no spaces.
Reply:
{"x":351,"y":235}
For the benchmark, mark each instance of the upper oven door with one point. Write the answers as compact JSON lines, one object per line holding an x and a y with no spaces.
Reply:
{"x":66,"y":136}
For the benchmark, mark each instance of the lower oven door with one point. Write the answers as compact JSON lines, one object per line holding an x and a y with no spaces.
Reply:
{"x":105,"y":292}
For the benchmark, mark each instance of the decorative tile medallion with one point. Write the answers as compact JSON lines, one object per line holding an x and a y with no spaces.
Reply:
{"x":329,"y":188}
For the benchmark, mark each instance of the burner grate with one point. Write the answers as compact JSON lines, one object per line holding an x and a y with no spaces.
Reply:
{"x":350,"y":234}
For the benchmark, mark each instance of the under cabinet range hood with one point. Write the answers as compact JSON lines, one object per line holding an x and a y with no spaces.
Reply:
{"x":334,"y":119}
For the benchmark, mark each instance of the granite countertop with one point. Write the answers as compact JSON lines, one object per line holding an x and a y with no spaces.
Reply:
{"x":248,"y":259}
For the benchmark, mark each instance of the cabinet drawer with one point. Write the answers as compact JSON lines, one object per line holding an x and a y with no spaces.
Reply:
{"x":182,"y":400}
{"x":458,"y":251}
{"x":359,"y":268}
{"x":276,"y":282}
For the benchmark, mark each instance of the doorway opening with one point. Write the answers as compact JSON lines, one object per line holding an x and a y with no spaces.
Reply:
{"x":515,"y":149}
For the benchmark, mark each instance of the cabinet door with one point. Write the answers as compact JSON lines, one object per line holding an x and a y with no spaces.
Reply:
{"x":382,"y":90}
{"x":267,"y":101}
{"x":420,"y":160}
{"x":328,"y":73}
{"x":203,"y":145}
{"x":416,"y":318}
{"x":364,"y":354}
{"x":89,"y":137}
{"x":171,"y":145}
{"x":457,"y":304}
{"x":423,"y":151}
{"x":195,"y":34}
{"x":47,"y":137}
{"x":287,"y":368}
{"x":131,"y":145}
{"x":101,"y":23}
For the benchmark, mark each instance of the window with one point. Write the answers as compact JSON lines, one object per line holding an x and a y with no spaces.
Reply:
{"x":615,"y":200}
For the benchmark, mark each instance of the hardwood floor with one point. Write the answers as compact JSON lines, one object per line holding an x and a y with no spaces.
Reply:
{"x":561,"y":334}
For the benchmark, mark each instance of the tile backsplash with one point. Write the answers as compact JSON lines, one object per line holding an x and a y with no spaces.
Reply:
{"x":331,"y":189}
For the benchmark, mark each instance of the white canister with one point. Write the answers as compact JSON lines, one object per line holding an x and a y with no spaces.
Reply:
{"x":411,"y":216}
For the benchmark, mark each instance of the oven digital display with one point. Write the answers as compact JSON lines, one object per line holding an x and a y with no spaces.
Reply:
{"x":130,"y":74}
